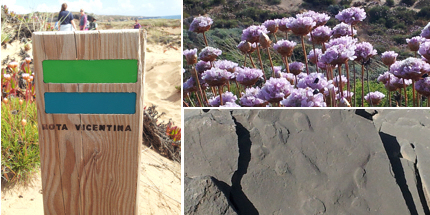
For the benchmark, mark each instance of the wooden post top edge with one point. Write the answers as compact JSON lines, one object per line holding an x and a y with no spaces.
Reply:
{"x":42,"y":33}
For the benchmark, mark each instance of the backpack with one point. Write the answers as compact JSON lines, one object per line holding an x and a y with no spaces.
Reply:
{"x":93,"y":26}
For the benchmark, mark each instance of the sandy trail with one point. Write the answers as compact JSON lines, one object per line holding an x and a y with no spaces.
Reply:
{"x":162,"y":75}
{"x":159,"y":189}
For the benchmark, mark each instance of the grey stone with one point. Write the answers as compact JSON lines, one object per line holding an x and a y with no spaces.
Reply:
{"x":300,"y":162}
{"x":411,"y":180}
{"x":210,"y":142}
{"x":204,"y":195}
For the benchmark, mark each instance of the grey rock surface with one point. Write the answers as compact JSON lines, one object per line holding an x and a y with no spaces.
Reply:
{"x":212,"y":142}
{"x":205,"y":195}
{"x":311,"y":161}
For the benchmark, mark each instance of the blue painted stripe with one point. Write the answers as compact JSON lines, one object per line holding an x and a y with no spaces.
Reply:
{"x":90,"y":103}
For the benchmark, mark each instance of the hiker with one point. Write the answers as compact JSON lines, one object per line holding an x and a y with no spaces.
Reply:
{"x":136,"y":25}
{"x":93,"y":24}
{"x":83,"y":21}
{"x":65,"y":19}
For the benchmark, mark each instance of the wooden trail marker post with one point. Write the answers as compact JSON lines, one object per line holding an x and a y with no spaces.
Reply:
{"x":89,"y":92}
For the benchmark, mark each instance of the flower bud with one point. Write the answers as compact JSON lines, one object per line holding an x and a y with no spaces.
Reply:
{"x":5,"y":100}
{"x":21,"y":101}
{"x":265,"y":40}
{"x":13,"y":65}
{"x":7,"y":77}
{"x":27,"y":59}
{"x":23,"y":122}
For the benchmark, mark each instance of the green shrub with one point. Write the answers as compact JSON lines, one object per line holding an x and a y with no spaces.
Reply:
{"x":400,"y":39}
{"x":320,"y":2}
{"x":424,"y":12}
{"x":408,"y":2}
{"x":20,"y":149}
{"x":273,"y":2}
{"x":390,"y":3}
{"x":377,"y":12}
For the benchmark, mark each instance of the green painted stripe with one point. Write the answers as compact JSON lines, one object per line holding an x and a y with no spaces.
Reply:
{"x":90,"y":103}
{"x":90,"y":71}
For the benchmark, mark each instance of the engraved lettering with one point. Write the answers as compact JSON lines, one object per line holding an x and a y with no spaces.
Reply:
{"x":128,"y":128}
{"x":120,"y":127}
{"x":44,"y":127}
{"x":78,"y":127}
{"x":64,"y":127}
{"x":58,"y":125}
{"x":102,"y":127}
{"x":51,"y":126}
{"x":95,"y":128}
{"x":109,"y":127}
{"x":88,"y":127}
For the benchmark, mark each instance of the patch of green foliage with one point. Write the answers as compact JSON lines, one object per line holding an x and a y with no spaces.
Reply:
{"x":19,"y":144}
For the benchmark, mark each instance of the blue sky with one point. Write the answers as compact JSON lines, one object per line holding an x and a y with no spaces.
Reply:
{"x":101,"y":7}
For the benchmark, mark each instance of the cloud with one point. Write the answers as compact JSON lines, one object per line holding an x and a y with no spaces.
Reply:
{"x":92,"y":6}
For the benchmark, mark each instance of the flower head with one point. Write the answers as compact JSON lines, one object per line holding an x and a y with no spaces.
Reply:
{"x":352,"y":15}
{"x":315,"y":81}
{"x":275,"y":89}
{"x":374,"y":98}
{"x":304,"y":97}
{"x":7,"y":76}
{"x":272,"y":25}
{"x":216,"y":76}
{"x":415,"y":42}
{"x":191,"y":56}
{"x":283,"y":24}
{"x":13,"y":65}
{"x":201,"y":24}
{"x":364,"y":51}
{"x":248,"y":76}
{"x":337,"y":79}
{"x":252,"y":33}
{"x":301,"y":25}
{"x":264,"y":41}
{"x":28,"y":59}
{"x":426,"y":31}
{"x":285,"y":47}
{"x":423,"y":86}
{"x":296,"y":67}
{"x":277,"y":71}
{"x":320,"y":34}
{"x":410,"y":68}
{"x":389,"y":57}
{"x":337,"y":55}
{"x":230,"y":104}
{"x":319,"y":18}
{"x":209,"y":54}
{"x":244,"y":46}
{"x":314,"y":57}
{"x":202,"y":66}
{"x":342,"y":29}
{"x":424,"y":50}
{"x":226,"y":97}
{"x":250,"y":98}
{"x":189,"y":85}
{"x":226,"y":64}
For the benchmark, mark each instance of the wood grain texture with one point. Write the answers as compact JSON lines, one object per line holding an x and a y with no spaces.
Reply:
{"x":87,"y":171}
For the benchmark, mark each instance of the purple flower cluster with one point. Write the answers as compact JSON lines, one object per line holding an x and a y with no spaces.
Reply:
{"x":283,"y":24}
{"x":209,"y":53}
{"x":285,"y":47}
{"x":226,"y":97}
{"x":251,"y":98}
{"x":319,"y":18}
{"x":364,"y":51}
{"x":191,"y":56}
{"x":426,"y":31}
{"x":226,"y":64}
{"x":246,"y":47}
{"x":202,"y":66}
{"x":314,"y":57}
{"x":248,"y":76}
{"x":301,"y":25}
{"x":389,"y":57}
{"x":201,"y":24}
{"x":277,"y":71}
{"x":189,"y":85}
{"x":415,"y":42}
{"x":342,"y":29}
{"x":336,"y":80}
{"x":296,"y":67}
{"x":391,"y":82}
{"x":252,"y":33}
{"x":316,"y":81}
{"x":275,"y":89}
{"x":424,"y":50}
{"x":272,"y":25}
{"x":339,"y":50}
{"x":320,"y":34}
{"x":423,"y":86}
{"x":304,"y":97}
{"x":216,"y":76}
{"x":346,"y":94}
{"x":374,"y":98}
{"x":410,"y":68}
{"x":351,"y":16}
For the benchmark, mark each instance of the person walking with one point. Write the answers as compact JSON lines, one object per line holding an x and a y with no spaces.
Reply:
{"x":65,"y":19}
{"x":83,"y":20}
{"x":136,"y":25}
